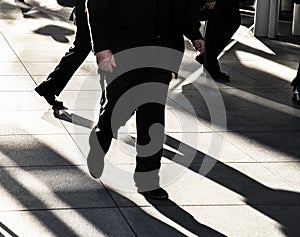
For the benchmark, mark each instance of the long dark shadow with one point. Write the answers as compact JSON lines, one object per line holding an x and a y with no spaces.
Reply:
{"x":280,"y":205}
{"x":74,"y":119}
{"x":6,"y":229}
{"x":175,"y":213}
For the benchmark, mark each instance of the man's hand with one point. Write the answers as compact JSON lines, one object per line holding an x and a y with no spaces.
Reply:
{"x":200,"y":45}
{"x":105,"y":60}
{"x":211,"y":5}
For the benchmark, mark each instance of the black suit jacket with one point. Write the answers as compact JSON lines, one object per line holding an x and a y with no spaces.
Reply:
{"x":122,"y":24}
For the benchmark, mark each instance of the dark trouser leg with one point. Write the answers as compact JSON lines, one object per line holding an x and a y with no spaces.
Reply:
{"x":110,"y":120}
{"x":113,"y":116}
{"x":296,"y":81}
{"x":232,"y":24}
{"x":296,"y":84}
{"x":70,"y":62}
{"x":223,"y":22}
{"x":211,"y":62}
{"x":150,"y":121}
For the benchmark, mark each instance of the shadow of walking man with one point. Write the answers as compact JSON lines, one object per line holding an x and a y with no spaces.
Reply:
{"x":280,"y":205}
{"x":175,"y":213}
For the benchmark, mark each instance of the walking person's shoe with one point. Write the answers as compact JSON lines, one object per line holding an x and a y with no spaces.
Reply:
{"x":57,"y":106}
{"x":147,"y":184}
{"x":95,"y":158}
{"x":58,"y":109}
{"x":216,"y":75}
{"x":296,"y":95}
{"x":99,"y":142}
{"x":158,"y":194}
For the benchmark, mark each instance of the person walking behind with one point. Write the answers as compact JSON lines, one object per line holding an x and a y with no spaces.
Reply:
{"x":296,"y":87}
{"x":117,"y":27}
{"x":223,"y":20}
{"x":70,"y":62}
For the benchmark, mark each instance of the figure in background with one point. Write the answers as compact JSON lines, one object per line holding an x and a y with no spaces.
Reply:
{"x":223,"y":20}
{"x":296,"y":87}
{"x":70,"y":62}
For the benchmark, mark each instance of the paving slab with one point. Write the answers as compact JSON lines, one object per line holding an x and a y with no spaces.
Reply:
{"x":238,"y":220}
{"x":12,"y":69}
{"x":239,"y":115}
{"x":55,"y":187}
{"x":21,"y":101}
{"x":7,"y":55}
{"x":30,"y":122}
{"x":158,"y":224}
{"x":67,"y":222}
{"x":184,"y":187}
{"x":44,"y":68}
{"x":39,"y":150}
{"x":16,"y":83}
{"x":212,"y":144}
{"x":267,"y":146}
{"x":289,"y":174}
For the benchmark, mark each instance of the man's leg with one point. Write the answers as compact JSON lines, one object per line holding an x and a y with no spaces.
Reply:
{"x":296,"y":87}
{"x":221,"y":25}
{"x":232,"y":20}
{"x":296,"y":81}
{"x":150,"y":120}
{"x":114,"y":113}
{"x":70,"y":62}
{"x":214,"y":25}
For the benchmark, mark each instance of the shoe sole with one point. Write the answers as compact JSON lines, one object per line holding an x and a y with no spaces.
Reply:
{"x":94,"y":161}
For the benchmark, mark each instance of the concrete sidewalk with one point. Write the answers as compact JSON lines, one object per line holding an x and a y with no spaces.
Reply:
{"x":244,"y":179}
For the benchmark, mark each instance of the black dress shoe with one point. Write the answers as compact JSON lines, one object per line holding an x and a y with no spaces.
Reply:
{"x":48,"y":97}
{"x":296,"y":96}
{"x":158,"y":194}
{"x":57,"y":106}
{"x":59,"y":109}
{"x":220,"y":76}
{"x":95,"y":158}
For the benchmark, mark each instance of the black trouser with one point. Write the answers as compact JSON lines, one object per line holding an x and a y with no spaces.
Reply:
{"x":223,"y":21}
{"x":137,"y":90}
{"x":296,"y":81}
{"x":144,"y":91}
{"x":70,"y":62}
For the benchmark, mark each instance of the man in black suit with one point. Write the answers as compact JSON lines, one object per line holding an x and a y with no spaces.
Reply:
{"x":70,"y":62}
{"x":223,"y":20}
{"x":120,"y":25}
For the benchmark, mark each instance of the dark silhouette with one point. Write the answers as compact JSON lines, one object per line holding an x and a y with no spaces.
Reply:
{"x":223,"y":20}
{"x":296,"y":87}
{"x":70,"y":62}
{"x":155,"y":24}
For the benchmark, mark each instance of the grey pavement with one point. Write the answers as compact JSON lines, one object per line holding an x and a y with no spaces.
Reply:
{"x":237,"y":145}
